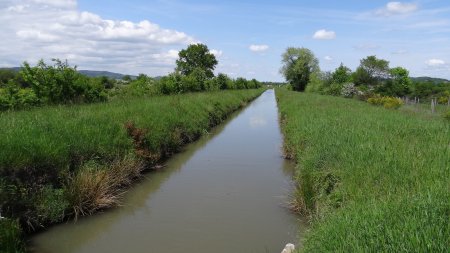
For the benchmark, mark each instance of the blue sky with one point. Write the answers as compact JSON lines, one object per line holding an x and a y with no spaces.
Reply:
{"x":248,"y":37}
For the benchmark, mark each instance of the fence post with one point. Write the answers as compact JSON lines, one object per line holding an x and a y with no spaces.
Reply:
{"x":432,"y":105}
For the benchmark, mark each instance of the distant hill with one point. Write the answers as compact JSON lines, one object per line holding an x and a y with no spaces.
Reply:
{"x":90,"y":73}
{"x":95,"y":73}
{"x":15,"y":69}
{"x":429,"y":79}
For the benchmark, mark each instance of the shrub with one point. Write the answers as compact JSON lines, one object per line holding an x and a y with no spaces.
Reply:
{"x":240,"y":83}
{"x":387,"y":102}
{"x":170,"y":84}
{"x":447,"y":115}
{"x":334,"y":89}
{"x":348,"y":90}
{"x":444,"y":98}
{"x":14,"y":97}
{"x":392,"y":103}
{"x":6,"y":101}
{"x":142,"y":86}
{"x":27,"y":98}
{"x":195,"y":81}
{"x":212,"y":84}
{"x":61,"y":83}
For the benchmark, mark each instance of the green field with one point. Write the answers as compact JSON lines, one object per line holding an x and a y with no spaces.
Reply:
{"x":64,"y":161}
{"x":370,"y":179}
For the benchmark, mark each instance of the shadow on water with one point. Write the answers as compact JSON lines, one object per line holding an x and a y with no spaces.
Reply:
{"x":223,"y":193}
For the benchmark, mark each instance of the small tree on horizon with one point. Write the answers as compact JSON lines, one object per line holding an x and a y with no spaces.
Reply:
{"x":196,"y":56}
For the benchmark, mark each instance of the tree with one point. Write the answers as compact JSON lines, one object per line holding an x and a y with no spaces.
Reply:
{"x":371,"y":71}
{"x":341,"y":75}
{"x":127,"y":78}
{"x":196,"y":56}
{"x":298,"y":65}
{"x":222,"y":81}
{"x":399,"y":83}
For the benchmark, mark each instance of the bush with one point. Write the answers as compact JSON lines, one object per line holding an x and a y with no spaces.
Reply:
{"x":387,"y":102}
{"x":222,"y":81}
{"x":240,"y":83}
{"x":170,"y":84}
{"x":195,"y":81}
{"x":61,"y":83}
{"x":142,"y":86}
{"x":6,"y":101}
{"x":334,"y":89}
{"x":348,"y":90}
{"x":13,"y":97}
{"x":447,"y":115}
{"x":27,"y":98}
{"x":444,"y":98}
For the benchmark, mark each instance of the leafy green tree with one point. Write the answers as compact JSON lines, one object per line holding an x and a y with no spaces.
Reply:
{"x":240,"y":83}
{"x":107,"y":82}
{"x":196,"y":56}
{"x":254,"y":84}
{"x":171,"y":84}
{"x":222,"y":81}
{"x":342,"y":75}
{"x":399,"y":83}
{"x":195,"y":81}
{"x":298,"y":65}
{"x":371,"y":71}
{"x":318,"y":82}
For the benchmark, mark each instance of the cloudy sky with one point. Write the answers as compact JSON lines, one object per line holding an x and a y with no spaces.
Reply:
{"x":247,"y":36}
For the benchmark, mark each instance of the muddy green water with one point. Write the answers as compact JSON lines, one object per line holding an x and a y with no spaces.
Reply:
{"x":223,"y":193}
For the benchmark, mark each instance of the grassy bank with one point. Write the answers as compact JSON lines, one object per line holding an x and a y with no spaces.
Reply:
{"x":371,"y":179}
{"x":60,"y":162}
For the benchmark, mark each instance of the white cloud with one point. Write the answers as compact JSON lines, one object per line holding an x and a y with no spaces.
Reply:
{"x":435,"y":62}
{"x":34,"y":29}
{"x":216,"y":53}
{"x":328,"y":58}
{"x":36,"y":35}
{"x":324,"y":35}
{"x":397,"y":8}
{"x":57,"y":3}
{"x":259,"y":48}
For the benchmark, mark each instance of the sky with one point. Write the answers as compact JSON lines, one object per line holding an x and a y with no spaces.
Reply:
{"x":248,"y":37}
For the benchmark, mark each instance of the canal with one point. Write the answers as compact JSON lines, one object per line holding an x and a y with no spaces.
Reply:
{"x":223,"y":193}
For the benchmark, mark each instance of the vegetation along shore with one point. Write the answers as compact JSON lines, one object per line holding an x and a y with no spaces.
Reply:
{"x":71,"y":144}
{"x":370,"y":178}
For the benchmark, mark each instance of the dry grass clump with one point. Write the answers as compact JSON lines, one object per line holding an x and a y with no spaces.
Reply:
{"x":95,"y":187}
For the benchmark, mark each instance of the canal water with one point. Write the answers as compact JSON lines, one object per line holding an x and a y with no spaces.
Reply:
{"x":223,"y":193}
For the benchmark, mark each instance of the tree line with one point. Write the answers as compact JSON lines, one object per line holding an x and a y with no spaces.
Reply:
{"x":373,"y":77}
{"x":60,"y":83}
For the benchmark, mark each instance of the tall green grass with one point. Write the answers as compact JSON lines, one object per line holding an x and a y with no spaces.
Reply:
{"x":65,"y":161}
{"x":59,"y":137}
{"x":10,"y":236}
{"x":371,"y":179}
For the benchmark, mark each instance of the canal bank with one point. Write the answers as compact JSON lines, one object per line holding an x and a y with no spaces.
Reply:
{"x":224,"y":193}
